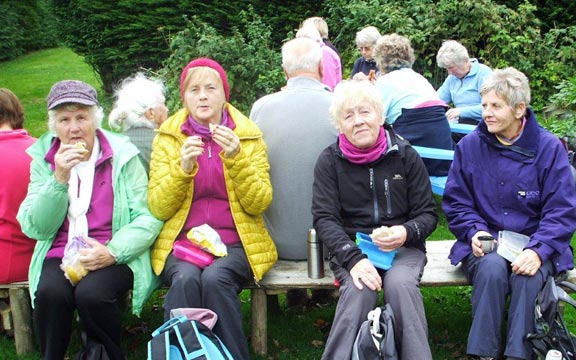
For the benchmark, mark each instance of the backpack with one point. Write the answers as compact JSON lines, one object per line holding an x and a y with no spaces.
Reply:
{"x":375,"y":339}
{"x":181,"y":338}
{"x":91,"y":349}
{"x":552,"y":333}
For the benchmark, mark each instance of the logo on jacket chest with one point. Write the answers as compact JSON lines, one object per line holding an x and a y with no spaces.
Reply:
{"x":528,"y":194}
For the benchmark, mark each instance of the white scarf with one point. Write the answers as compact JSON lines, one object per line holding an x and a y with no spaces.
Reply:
{"x":80,"y":193}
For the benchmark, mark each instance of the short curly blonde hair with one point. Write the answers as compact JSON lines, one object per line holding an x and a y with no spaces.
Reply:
{"x":393,"y":52}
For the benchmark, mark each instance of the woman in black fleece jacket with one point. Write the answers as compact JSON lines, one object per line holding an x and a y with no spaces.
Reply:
{"x":369,"y":178}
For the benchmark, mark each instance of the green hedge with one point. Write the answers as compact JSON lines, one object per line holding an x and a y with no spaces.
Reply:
{"x":27,"y":25}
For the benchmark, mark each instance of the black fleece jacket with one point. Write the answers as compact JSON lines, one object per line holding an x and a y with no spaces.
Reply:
{"x":393,"y":190}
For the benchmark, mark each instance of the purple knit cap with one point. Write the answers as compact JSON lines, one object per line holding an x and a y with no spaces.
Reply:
{"x":208,"y":63}
{"x":71,"y":91}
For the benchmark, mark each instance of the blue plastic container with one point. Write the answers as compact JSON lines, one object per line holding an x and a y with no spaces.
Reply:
{"x":381,"y":259}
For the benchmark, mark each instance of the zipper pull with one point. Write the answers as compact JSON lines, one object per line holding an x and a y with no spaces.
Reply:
{"x":209,"y":151}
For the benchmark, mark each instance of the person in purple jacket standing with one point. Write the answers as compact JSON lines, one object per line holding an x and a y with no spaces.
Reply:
{"x":509,"y":174}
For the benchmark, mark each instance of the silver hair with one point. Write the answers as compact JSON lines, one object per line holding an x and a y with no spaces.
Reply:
{"x":367,"y":36}
{"x":135,"y":96}
{"x":351,"y":93}
{"x":451,"y":53}
{"x":510,"y":84}
{"x":301,"y":54}
{"x":96,"y":114}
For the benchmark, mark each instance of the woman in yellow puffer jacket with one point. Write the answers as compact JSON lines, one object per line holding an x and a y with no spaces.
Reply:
{"x":209,"y":166}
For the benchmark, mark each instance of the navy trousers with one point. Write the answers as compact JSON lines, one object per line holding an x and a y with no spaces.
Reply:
{"x":493,"y":281}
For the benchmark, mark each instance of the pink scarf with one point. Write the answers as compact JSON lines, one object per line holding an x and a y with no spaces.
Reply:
{"x":363,"y":156}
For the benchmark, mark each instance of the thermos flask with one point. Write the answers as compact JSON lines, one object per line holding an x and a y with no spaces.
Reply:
{"x":315,"y":256}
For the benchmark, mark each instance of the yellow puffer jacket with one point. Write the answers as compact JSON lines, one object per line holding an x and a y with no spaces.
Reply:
{"x":248,"y":185}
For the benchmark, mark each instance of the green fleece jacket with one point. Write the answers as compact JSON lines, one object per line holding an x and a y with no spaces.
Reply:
{"x":134,"y":229}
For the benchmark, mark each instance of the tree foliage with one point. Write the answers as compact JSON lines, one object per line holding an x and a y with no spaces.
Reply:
{"x":26,"y":26}
{"x":251,"y":61}
{"x":118,"y":38}
{"x":496,"y":34}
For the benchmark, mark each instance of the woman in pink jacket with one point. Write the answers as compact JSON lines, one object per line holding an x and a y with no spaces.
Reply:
{"x":15,"y":247}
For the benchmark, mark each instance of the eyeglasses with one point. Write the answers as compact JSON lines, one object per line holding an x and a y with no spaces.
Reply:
{"x":364,"y":48}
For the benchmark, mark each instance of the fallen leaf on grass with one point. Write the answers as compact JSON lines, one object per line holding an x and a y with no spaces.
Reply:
{"x":319,"y":323}
{"x":317,"y":343}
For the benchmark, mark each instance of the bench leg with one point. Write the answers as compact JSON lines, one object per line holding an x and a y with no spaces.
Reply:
{"x":22,"y":318}
{"x":259,"y":321}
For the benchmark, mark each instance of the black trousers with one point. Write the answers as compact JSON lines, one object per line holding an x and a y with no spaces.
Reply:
{"x":96,"y":298}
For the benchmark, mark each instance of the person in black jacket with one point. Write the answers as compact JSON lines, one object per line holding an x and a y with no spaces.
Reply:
{"x":368,"y":179}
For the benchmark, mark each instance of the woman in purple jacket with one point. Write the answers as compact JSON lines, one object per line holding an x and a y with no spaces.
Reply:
{"x":509,"y":174}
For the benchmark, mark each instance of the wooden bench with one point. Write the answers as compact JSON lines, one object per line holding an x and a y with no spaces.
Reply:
{"x":17,"y":316}
{"x":283,"y":276}
{"x":294,"y":274}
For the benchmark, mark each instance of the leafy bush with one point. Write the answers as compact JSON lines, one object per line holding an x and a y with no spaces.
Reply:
{"x":252,"y":64}
{"x":119,"y":38}
{"x":496,"y":34}
{"x":26,"y":26}
{"x":560,"y":115}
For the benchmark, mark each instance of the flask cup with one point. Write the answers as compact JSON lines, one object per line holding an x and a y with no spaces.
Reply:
{"x":315,"y":256}
{"x":554,"y":355}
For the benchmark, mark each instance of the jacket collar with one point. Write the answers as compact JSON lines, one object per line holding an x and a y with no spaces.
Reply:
{"x":528,"y":143}
{"x":245,"y":128}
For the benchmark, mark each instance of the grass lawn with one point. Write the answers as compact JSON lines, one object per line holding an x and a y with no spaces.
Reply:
{"x":291,"y":335}
{"x":31,"y":76}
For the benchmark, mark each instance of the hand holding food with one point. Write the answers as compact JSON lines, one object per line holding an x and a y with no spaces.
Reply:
{"x":227,"y":139}
{"x":382,"y":231}
{"x":389,"y":238}
{"x":192,"y":148}
{"x":68,"y":156}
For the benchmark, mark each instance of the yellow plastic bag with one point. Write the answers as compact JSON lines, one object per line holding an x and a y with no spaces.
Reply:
{"x":207,"y":239}
{"x":73,"y":269}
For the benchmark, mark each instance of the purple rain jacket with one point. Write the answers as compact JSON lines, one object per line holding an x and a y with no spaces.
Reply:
{"x":526,"y":187}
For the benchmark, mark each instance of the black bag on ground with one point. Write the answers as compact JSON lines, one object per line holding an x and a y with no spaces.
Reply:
{"x":181,"y":338}
{"x":91,"y":349}
{"x":375,"y":339}
{"x":552,"y":333}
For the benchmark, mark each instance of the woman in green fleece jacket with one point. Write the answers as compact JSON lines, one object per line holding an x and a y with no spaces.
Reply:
{"x":96,"y":191}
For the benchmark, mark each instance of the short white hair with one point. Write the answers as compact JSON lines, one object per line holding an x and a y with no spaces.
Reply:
{"x":135,"y":96}
{"x":96,"y":114}
{"x":351,"y":93}
{"x":451,"y":53}
{"x":301,"y":54}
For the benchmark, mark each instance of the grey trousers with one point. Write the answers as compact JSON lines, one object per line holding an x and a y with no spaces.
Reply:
{"x":401,"y":291}
{"x":493,"y":280}
{"x":215,"y":287}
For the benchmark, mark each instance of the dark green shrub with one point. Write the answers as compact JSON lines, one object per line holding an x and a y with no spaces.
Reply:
{"x":252,"y":63}
{"x":27,"y":25}
{"x":119,"y":38}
